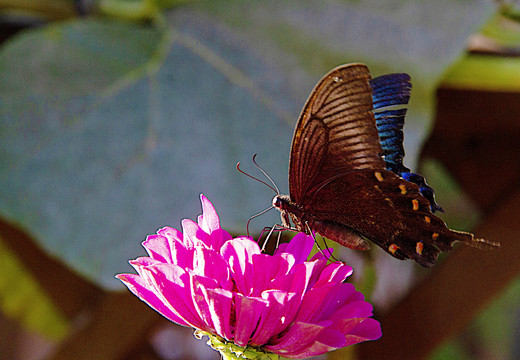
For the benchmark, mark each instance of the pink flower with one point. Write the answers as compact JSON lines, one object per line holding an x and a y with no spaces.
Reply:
{"x":282,"y":303}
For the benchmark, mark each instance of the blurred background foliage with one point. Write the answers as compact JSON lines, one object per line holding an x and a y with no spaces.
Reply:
{"x":116,"y":114}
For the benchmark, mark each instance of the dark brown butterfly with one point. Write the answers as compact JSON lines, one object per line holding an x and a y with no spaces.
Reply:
{"x":347,"y":187}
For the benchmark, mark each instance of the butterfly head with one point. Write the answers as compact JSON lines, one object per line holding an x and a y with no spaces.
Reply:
{"x":286,"y":207}
{"x":281,"y":202}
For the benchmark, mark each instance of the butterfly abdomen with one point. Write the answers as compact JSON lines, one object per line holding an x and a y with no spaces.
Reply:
{"x":340,"y":234}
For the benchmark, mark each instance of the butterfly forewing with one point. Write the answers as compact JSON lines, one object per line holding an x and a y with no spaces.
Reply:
{"x":336,"y":131}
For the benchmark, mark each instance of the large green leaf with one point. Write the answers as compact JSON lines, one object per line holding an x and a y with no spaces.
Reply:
{"x":110,"y":130}
{"x":119,"y":135}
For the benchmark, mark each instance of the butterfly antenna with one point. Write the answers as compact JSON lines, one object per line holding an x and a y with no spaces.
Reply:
{"x":257,"y":179}
{"x":256,"y":215}
{"x":265,"y":174}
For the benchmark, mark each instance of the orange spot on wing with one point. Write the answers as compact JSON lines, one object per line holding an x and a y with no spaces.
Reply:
{"x":403,"y":189}
{"x":393,"y":248}
{"x":415,"y":204}
{"x":378,"y":176}
{"x":419,"y":248}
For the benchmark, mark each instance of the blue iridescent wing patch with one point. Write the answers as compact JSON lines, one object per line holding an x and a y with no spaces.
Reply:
{"x":390,"y":95}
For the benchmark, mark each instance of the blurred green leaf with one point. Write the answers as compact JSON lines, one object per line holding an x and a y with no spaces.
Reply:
{"x":460,"y":212}
{"x":493,"y":330}
{"x":120,"y":134}
{"x":496,"y":324}
{"x":137,"y":10}
{"x":499,"y":68}
{"x":452,"y":350}
{"x":110,"y":131}
{"x":503,"y":30}
{"x":130,"y":9}
{"x":23,"y":299}
{"x":496,"y":73}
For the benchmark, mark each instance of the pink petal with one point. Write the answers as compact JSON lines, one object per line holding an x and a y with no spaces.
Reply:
{"x":142,"y":262}
{"x":308,"y":340}
{"x":248,"y":311}
{"x":193,"y":233}
{"x":335,"y":272}
{"x":209,"y":220}
{"x":348,"y":326}
{"x":282,"y":248}
{"x":297,"y":280}
{"x":265,"y":269}
{"x":171,"y":284}
{"x":181,"y":255}
{"x":300,"y":246}
{"x":370,"y":329}
{"x":201,"y":306}
{"x":284,"y":302}
{"x":328,"y":340}
{"x":304,"y":339}
{"x":357,"y":296}
{"x":353,"y":309}
{"x":208,"y":283}
{"x":171,"y":233}
{"x":319,"y":265}
{"x":181,"y":252}
{"x":238,"y":253}
{"x":274,"y":320}
{"x":158,"y":248}
{"x":319,"y":303}
{"x":218,"y":237}
{"x":300,"y":334}
{"x":289,"y":258}
{"x":220,"y":302}
{"x":202,"y":224}
{"x":139,"y":287}
{"x":213,"y":305}
{"x":211,"y":264}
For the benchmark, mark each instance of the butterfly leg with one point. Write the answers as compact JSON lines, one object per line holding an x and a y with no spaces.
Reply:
{"x":312,"y":233}
{"x":278,"y":228}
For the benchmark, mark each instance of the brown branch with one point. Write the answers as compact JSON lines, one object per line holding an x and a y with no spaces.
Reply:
{"x":120,"y":325}
{"x":70,"y":292}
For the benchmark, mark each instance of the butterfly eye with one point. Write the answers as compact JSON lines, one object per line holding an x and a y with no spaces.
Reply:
{"x":277,"y":202}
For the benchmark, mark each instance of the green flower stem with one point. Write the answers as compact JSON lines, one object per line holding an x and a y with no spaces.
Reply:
{"x":231,"y":351}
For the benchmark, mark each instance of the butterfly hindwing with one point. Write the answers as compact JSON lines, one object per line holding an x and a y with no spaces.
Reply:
{"x":390,"y":94}
{"x":387,"y":210}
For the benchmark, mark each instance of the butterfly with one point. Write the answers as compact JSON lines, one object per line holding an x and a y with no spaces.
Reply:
{"x":347,"y":180}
